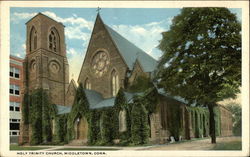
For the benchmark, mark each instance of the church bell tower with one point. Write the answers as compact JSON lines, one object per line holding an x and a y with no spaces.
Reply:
{"x":46,"y":64}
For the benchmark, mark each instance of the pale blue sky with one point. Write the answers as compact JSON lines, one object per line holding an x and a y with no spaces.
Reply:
{"x":142,"y":26}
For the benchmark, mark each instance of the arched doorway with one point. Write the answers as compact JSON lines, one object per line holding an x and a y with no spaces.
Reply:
{"x":81,"y":128}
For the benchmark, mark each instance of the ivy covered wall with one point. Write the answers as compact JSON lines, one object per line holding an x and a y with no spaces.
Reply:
{"x":103,"y":123}
{"x":38,"y":112}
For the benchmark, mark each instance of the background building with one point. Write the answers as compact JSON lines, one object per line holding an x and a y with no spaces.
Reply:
{"x":16,"y":81}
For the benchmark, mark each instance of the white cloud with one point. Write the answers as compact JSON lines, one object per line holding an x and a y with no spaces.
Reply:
{"x":20,"y":16}
{"x":71,"y":51}
{"x":75,"y":25}
{"x":145,"y":36}
{"x":76,"y":33}
{"x":71,"y":20}
{"x":169,"y":20}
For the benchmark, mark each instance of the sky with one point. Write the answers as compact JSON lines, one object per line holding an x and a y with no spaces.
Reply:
{"x":141,"y":26}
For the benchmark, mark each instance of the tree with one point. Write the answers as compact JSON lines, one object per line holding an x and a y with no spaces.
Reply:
{"x":201,"y":57}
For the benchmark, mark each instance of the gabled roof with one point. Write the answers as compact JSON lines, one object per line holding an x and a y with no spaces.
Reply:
{"x":130,"y":52}
{"x":72,"y":84}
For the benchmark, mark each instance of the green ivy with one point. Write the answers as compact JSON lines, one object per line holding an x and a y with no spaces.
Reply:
{"x":94,"y":127}
{"x":139,"y":123}
{"x":25,"y":108}
{"x":108,"y":128}
{"x":61,"y":128}
{"x":80,"y":108}
{"x":200,"y":119}
{"x":150,"y":99}
{"x":103,"y":123}
{"x":140,"y":84}
{"x":41,"y":114}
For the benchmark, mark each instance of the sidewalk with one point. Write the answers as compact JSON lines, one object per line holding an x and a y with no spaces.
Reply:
{"x":195,"y":144}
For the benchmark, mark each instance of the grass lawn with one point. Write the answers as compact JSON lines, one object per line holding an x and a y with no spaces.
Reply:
{"x":16,"y":147}
{"x":233,"y":145}
{"x":84,"y":149}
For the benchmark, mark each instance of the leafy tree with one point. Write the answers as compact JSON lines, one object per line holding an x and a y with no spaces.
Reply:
{"x":201,"y":57}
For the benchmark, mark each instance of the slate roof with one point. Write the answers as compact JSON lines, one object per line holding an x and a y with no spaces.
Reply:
{"x":63,"y":109}
{"x":131,"y":53}
{"x":104,"y":103}
{"x":96,"y":101}
{"x":177,"y":98}
{"x":93,"y":97}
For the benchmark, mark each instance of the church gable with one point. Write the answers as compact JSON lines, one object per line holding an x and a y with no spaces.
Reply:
{"x":137,"y":71}
{"x":101,"y":60}
{"x":70,"y":94}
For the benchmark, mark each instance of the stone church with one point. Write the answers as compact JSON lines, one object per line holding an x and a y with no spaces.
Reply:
{"x":111,"y":62}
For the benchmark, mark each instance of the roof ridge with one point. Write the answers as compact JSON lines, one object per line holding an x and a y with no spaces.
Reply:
{"x":138,"y":52}
{"x":126,"y":47}
{"x":39,"y":13}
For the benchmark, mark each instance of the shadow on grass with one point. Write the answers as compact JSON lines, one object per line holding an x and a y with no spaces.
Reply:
{"x":16,"y":147}
{"x":233,"y":145}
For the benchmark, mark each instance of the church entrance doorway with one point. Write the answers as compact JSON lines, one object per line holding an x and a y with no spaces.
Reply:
{"x":81,"y":128}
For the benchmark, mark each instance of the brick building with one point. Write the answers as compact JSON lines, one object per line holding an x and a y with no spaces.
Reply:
{"x":16,"y":84}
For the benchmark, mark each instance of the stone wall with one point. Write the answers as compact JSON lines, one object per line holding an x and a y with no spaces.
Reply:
{"x":45,"y":68}
{"x":162,"y":116}
{"x":101,"y":41}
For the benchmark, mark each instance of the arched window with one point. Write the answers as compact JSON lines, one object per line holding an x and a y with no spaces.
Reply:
{"x":33,"y":39}
{"x":87,"y":84}
{"x":114,"y":83}
{"x":122,"y":121}
{"x":53,"y":40}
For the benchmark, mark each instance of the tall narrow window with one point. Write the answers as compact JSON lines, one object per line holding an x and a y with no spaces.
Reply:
{"x":87,"y":84}
{"x":33,"y":39}
{"x":114,"y":83}
{"x":53,"y":40}
{"x":11,"y":71}
{"x":122,"y":121}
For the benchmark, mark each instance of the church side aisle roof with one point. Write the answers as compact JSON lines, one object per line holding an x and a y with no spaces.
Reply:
{"x":130,"y":52}
{"x":96,"y":101}
{"x":63,"y":109}
{"x":93,"y":97}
